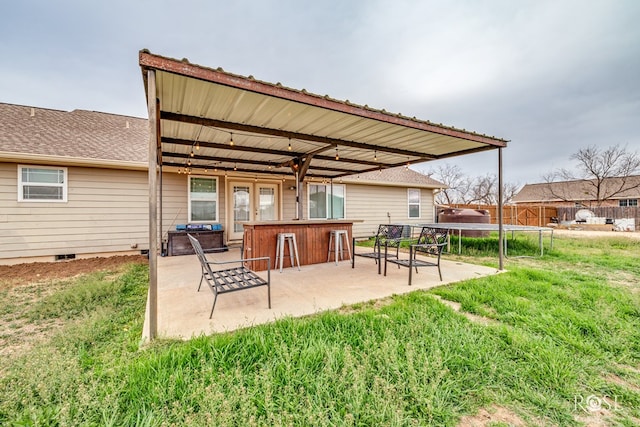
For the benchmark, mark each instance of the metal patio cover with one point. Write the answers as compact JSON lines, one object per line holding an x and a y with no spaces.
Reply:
{"x":211,"y":119}
{"x":202,"y":118}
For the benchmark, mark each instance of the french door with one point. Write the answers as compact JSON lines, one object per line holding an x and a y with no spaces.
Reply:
{"x":251,"y":201}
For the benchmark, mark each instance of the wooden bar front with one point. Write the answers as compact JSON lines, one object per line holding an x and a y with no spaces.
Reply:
{"x":312,"y":237}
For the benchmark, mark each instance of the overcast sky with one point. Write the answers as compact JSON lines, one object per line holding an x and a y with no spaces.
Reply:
{"x":549,"y":76}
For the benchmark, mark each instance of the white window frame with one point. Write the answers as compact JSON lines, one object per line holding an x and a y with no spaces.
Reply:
{"x":62,"y":185}
{"x":624,"y":203}
{"x":409,"y":204}
{"x":217,"y":199}
{"x":328,"y":194}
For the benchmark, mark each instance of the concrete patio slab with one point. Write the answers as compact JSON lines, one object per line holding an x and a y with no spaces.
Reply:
{"x":183,"y":313}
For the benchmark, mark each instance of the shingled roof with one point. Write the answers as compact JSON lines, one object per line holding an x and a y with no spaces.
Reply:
{"x":32,"y":132}
{"x":396,"y":176}
{"x":579,"y":190}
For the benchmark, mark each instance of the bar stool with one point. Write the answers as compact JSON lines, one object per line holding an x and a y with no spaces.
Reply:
{"x":335,"y":240}
{"x":289,"y":238}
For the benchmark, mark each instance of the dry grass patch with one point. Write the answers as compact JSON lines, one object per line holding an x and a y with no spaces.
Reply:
{"x":369,"y":305}
{"x":494,"y":416}
{"x":456,"y":306}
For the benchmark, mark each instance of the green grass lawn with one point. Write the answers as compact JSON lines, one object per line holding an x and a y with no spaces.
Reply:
{"x":555,"y":340}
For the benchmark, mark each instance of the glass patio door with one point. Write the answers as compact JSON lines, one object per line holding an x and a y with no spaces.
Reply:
{"x":252,"y":202}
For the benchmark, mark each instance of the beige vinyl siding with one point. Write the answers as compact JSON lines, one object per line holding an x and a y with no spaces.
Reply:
{"x":289,"y":200}
{"x":175,"y":201}
{"x":371,"y":204}
{"x":106,"y":211}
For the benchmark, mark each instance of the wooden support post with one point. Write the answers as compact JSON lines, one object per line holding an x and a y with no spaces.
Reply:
{"x":153,"y":205}
{"x":500,"y":213}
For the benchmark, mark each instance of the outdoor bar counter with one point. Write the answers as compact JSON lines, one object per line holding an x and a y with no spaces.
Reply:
{"x":312,"y":236}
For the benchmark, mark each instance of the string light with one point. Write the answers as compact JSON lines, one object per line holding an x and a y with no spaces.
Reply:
{"x":235,"y":166}
{"x":197,"y":146}
{"x":289,"y":144}
{"x":231,"y":143}
{"x":337,"y":155}
{"x":375,"y":155}
{"x":192,"y":154}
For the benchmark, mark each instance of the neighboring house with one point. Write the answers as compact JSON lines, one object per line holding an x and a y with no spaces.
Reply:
{"x":75,"y":184}
{"x":580,"y":193}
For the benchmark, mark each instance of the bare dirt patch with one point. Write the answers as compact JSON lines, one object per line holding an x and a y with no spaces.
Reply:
{"x":621,"y":382}
{"x":23,"y":285}
{"x":22,"y":274}
{"x":595,"y":233}
{"x":493,"y":415}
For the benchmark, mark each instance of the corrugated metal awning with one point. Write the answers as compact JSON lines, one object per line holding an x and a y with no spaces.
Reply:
{"x":211,"y":119}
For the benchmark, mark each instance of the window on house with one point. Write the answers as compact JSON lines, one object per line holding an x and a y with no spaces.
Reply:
{"x":203,"y":199}
{"x":326,"y":201}
{"x":42,"y":184}
{"x":628,"y":202}
{"x":413,"y":198}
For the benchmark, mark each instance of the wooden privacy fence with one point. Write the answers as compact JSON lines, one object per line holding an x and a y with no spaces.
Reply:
{"x":541,"y":215}
{"x":535,"y":215}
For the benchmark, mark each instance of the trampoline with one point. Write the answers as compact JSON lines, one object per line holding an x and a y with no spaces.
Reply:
{"x":460,"y":227}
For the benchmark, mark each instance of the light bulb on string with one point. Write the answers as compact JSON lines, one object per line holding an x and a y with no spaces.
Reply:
{"x":231,"y":143}
{"x":289,"y":144}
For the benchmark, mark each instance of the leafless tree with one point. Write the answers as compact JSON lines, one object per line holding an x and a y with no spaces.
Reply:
{"x":450,"y":175}
{"x":601,"y":174}
{"x":467,"y":190}
{"x":485,"y":190}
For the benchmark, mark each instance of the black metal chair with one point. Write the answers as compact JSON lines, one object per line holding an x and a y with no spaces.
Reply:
{"x":388,"y":236}
{"x":431,"y":243}
{"x":230,"y":279}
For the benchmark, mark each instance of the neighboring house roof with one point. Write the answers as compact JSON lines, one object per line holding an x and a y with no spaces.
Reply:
{"x":78,"y":136}
{"x":395,"y":176}
{"x":578,"y":190}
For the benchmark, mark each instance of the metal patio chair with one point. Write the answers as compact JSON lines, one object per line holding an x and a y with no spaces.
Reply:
{"x":388,"y":236}
{"x":431,"y":243}
{"x":230,"y":279}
